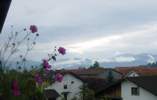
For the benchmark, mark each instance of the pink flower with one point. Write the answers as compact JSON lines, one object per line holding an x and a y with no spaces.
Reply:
{"x":38,"y":78}
{"x":33,"y":28}
{"x":62,"y":50}
{"x":15,"y":88}
{"x":46,"y":65}
{"x":58,"y":77}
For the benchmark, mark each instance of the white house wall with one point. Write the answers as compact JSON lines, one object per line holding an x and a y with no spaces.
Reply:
{"x":126,"y":92}
{"x":74,"y":88}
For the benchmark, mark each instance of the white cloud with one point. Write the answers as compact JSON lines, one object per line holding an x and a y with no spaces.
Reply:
{"x":91,"y":44}
{"x":151,"y":59}
{"x":96,"y":29}
{"x":124,"y":59}
{"x":132,"y":39}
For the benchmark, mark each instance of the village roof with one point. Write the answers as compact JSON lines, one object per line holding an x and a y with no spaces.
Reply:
{"x":94,"y":83}
{"x":75,"y":75}
{"x":88,"y":72}
{"x":108,"y":86}
{"x":84,"y":71}
{"x":144,"y":71}
{"x":51,"y":93}
{"x":4,"y":6}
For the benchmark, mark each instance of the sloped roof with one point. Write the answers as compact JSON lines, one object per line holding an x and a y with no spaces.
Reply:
{"x":108,"y":86}
{"x":4,"y":6}
{"x":51,"y":93}
{"x":89,"y":71}
{"x":144,"y":71}
{"x":149,"y":83}
{"x":94,"y":83}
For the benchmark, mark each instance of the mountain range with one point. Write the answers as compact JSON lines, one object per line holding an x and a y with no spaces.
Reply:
{"x":116,"y":61}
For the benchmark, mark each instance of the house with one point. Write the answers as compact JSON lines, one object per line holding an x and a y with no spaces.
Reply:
{"x":69,"y":88}
{"x":4,"y":7}
{"x":136,"y":71}
{"x":132,"y":88}
{"x":73,"y":85}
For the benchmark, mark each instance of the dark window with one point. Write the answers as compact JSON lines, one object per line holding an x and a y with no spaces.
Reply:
{"x":72,"y":82}
{"x":65,"y":87}
{"x":135,"y":91}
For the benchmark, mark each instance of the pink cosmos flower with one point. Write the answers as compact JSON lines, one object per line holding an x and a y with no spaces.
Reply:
{"x":33,"y":28}
{"x":15,"y":88}
{"x":38,"y":78}
{"x":62,"y":50}
{"x":58,"y":77}
{"x":46,"y":65}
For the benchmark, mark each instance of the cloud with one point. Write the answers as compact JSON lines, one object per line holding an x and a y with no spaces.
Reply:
{"x":132,"y":40}
{"x":151,"y":59}
{"x":124,"y":59}
{"x":88,"y":45}
{"x":95,"y":29}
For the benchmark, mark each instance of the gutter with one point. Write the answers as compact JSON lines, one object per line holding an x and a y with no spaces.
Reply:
{"x":4,"y":7}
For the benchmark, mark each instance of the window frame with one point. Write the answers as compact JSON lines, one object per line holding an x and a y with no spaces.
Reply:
{"x":65,"y":86}
{"x":135,"y":91}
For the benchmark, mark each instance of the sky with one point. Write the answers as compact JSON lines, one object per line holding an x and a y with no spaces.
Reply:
{"x":89,"y":29}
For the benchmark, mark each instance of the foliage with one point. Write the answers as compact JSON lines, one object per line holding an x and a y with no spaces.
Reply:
{"x":86,"y":93}
{"x":29,"y":90}
{"x":95,"y":65}
{"x":110,"y":76}
{"x":25,"y":85}
{"x":105,"y":98}
{"x":74,"y":98}
{"x":151,"y":64}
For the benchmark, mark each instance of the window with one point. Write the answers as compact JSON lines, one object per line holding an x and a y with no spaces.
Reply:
{"x":65,"y":86}
{"x":72,"y":82}
{"x":135,"y":91}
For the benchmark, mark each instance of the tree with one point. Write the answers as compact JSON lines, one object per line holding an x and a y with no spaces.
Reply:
{"x":152,"y":64}
{"x":110,"y":76}
{"x":95,"y":65}
{"x":86,"y":93}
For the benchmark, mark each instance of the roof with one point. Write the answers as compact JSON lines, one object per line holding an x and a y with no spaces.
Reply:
{"x":88,"y":72}
{"x":4,"y":7}
{"x":108,"y":86}
{"x":51,"y":93}
{"x":75,"y":75}
{"x":147,"y":82}
{"x":94,"y":83}
{"x":144,"y":71}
